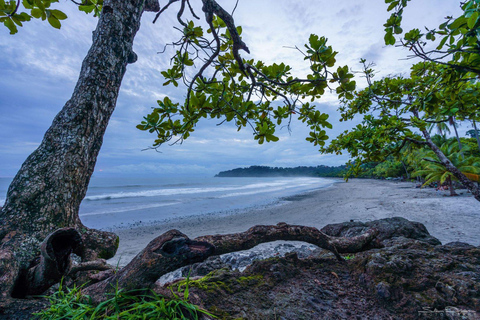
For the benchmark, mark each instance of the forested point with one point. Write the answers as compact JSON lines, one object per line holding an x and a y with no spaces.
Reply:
{"x":302,"y":171}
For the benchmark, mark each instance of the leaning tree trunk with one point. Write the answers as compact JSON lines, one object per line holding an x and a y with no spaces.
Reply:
{"x":459,"y":142}
{"x":476,"y":133}
{"x":475,"y":190}
{"x":46,"y":193}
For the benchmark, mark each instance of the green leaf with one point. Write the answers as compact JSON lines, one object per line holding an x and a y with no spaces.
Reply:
{"x":54,"y":22}
{"x":10,"y":25}
{"x":472,"y":20}
{"x":58,"y":14}
{"x":442,"y":43}
{"x":36,"y":13}
{"x":40,"y":5}
{"x":389,"y":38}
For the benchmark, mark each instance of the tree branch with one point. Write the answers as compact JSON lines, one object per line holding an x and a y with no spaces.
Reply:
{"x":282,"y":231}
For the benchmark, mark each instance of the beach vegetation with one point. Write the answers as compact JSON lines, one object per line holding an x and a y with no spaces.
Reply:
{"x":302,"y":171}
{"x":71,"y":303}
{"x":399,"y":111}
{"x":349,"y":257}
{"x":215,"y":281}
{"x":433,"y":170}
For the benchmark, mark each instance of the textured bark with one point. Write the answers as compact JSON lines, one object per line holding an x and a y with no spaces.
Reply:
{"x":54,"y":261}
{"x":451,"y":187}
{"x":476,"y":133}
{"x":173,"y":250}
{"x":46,"y":192}
{"x":260,"y":234}
{"x":164,"y":254}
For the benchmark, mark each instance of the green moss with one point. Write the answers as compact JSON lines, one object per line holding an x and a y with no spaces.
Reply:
{"x":117,"y":243}
{"x":217,"y":281}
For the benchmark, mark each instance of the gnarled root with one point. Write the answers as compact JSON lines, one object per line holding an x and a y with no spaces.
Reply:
{"x":173,"y":250}
{"x":260,"y":234}
{"x":54,"y":260}
{"x":163,"y":254}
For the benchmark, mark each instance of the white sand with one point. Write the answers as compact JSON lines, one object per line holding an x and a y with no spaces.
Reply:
{"x":447,"y":218}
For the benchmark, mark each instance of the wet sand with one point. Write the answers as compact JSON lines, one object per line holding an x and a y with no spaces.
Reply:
{"x":447,"y":218}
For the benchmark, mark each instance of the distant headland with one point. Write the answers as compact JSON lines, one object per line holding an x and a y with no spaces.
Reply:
{"x":302,"y":171}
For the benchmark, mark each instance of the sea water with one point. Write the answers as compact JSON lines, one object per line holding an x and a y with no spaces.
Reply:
{"x":121,"y":202}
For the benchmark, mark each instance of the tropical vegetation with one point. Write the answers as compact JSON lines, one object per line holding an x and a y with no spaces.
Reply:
{"x":433,"y":170}
{"x":71,"y":303}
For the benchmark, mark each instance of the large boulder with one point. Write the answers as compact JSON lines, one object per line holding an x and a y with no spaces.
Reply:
{"x":388,"y":228}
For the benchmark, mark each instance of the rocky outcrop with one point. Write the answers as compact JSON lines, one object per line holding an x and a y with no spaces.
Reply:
{"x":387,"y":229}
{"x":407,"y":274}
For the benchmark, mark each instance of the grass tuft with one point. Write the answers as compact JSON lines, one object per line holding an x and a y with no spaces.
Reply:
{"x":70,"y":303}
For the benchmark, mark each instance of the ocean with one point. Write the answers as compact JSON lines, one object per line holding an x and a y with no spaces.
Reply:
{"x":120,"y":202}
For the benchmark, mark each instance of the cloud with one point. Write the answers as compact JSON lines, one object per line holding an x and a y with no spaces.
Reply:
{"x":40,"y":66}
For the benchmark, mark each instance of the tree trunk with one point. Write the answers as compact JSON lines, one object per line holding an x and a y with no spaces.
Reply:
{"x":451,"y":188}
{"x":406,"y":171}
{"x":476,"y":133}
{"x":46,"y":193}
{"x":454,"y":125}
{"x":475,"y":190}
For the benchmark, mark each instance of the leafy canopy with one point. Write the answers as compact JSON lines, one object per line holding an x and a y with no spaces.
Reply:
{"x":397,"y":110}
{"x":245,"y":92}
{"x":14,"y":13}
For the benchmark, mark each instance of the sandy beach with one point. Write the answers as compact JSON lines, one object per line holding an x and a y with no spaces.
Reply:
{"x":447,"y":218}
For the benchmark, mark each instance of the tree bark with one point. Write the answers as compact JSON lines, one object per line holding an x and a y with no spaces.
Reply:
{"x":451,"y":188}
{"x":476,"y":133}
{"x":173,"y":250}
{"x":454,"y":125}
{"x":260,"y":234}
{"x":163,"y":254}
{"x":46,"y":193}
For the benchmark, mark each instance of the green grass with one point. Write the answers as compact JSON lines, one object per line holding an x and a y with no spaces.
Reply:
{"x":140,"y":304}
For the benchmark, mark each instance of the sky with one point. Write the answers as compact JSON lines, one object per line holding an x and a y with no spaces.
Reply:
{"x":40,"y":66}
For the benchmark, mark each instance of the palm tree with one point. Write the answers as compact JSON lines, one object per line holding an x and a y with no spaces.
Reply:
{"x":433,"y":170}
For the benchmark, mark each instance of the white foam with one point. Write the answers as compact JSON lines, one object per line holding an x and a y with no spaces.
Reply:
{"x":180,"y":191}
{"x":126,"y":209}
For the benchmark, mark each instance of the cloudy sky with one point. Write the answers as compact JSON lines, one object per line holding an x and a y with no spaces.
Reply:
{"x":40,"y":65}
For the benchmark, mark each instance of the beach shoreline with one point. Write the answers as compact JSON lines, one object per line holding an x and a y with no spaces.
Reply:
{"x":449,"y":219}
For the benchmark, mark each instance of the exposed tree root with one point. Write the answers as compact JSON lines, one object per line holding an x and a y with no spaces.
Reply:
{"x":166,"y":253}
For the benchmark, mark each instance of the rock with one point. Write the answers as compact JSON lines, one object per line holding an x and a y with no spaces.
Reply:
{"x":388,"y":228}
{"x":241,"y":259}
{"x":412,"y":276}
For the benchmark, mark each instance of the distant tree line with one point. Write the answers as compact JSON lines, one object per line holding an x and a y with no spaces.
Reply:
{"x":302,"y":171}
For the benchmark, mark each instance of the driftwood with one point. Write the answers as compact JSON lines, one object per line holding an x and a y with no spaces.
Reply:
{"x":167,"y":253}
{"x":173,"y":250}
{"x":260,"y":234}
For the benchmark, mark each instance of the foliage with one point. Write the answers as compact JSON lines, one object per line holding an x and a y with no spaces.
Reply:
{"x":433,"y":170}
{"x":389,"y":169}
{"x":14,"y":13}
{"x":303,"y":171}
{"x":245,"y":92}
{"x":397,"y":112}
{"x":472,"y":133}
{"x":140,"y":304}
{"x":458,"y":49}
